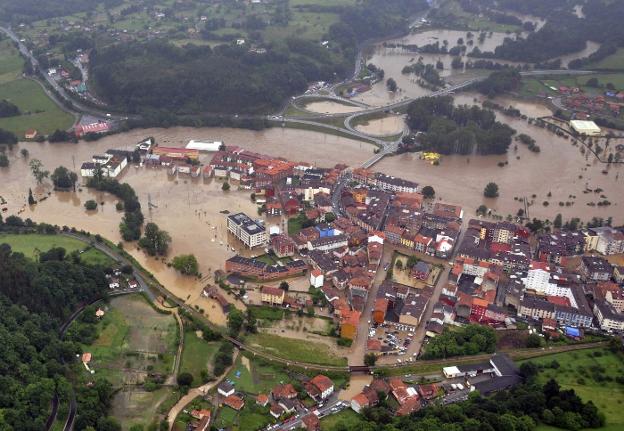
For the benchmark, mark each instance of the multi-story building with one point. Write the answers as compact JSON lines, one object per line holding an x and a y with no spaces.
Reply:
{"x":272,"y":295}
{"x":249,"y":232}
{"x":608,"y":318}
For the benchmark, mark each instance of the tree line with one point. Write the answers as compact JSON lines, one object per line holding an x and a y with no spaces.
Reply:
{"x":522,"y":408}
{"x":35,"y":298}
{"x":450,"y":129}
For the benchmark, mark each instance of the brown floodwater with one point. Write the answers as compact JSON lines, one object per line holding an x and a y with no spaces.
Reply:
{"x":556,"y":170}
{"x":393,"y":60}
{"x":356,"y":384}
{"x":331,"y":108}
{"x":390,"y":125}
{"x":189,"y":209}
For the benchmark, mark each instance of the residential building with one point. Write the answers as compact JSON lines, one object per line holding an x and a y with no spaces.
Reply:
{"x":272,"y":295}
{"x":249,"y":232}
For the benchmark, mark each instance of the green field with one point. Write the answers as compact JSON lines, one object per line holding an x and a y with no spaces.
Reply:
{"x":255,"y":377}
{"x":576,"y":372}
{"x":612,"y":62}
{"x":198,"y":355}
{"x":133,"y":340}
{"x":33,"y":244}
{"x":38,"y":110}
{"x":295,"y":350}
{"x":346,"y":419}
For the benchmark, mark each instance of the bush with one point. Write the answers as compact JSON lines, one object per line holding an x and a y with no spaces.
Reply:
{"x":90,"y":205}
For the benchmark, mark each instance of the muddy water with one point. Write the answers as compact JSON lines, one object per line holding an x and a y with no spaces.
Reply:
{"x":383,"y":126}
{"x":331,"y":108}
{"x":393,"y":60}
{"x":356,"y":384}
{"x":556,"y":169}
{"x":188,"y":209}
{"x":590,"y":48}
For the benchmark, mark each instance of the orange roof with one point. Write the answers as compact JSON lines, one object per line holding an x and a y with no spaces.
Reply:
{"x":262,"y":399}
{"x":361,"y":399}
{"x":480,"y":302}
{"x":396,"y":383}
{"x":381,"y":304}
{"x":317,"y":272}
{"x":373,"y":344}
{"x":351,"y":317}
{"x":322,"y":382}
{"x":234,"y":402}
{"x":200,"y":414}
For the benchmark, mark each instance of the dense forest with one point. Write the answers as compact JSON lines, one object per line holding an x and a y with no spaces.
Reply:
{"x":500,"y":82}
{"x":519,"y":409}
{"x":468,"y":340}
{"x":564,"y":33}
{"x":450,"y":129}
{"x":35,"y":298}
{"x":157,"y":76}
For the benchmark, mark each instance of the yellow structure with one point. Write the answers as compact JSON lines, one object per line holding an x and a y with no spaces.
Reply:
{"x":431,"y":157}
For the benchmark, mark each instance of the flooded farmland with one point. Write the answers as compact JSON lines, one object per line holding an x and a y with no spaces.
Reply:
{"x":559,"y":169}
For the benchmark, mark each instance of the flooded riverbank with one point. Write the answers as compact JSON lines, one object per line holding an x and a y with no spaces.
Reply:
{"x":189,"y":209}
{"x":390,"y":125}
{"x":560,"y":169}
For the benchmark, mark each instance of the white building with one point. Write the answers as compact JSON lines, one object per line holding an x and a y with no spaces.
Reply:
{"x":316,"y":278}
{"x":209,"y":146}
{"x":251,"y":233}
{"x":587,"y":128}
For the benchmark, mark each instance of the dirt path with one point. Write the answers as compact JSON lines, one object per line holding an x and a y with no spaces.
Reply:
{"x":196,"y":392}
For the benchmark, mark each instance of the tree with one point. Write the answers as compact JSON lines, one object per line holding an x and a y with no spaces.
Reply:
{"x":24,"y":152}
{"x":31,"y":199}
{"x":185,"y":379}
{"x":558,"y":222}
{"x":225,"y":187}
{"x":284,"y":286}
{"x":186,"y":264}
{"x":63,"y":178}
{"x":370,"y":359}
{"x":534,"y":341}
{"x":90,"y":205}
{"x":428,"y":192}
{"x":155,"y":241}
{"x":482,"y":210}
{"x":36,"y":167}
{"x":330,"y":217}
{"x":235,"y":320}
{"x":4,"y":160}
{"x":391,"y":85}
{"x":399,"y":264}
{"x":491,"y":190}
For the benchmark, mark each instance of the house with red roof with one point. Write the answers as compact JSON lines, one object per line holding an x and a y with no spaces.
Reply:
{"x":235,"y":402}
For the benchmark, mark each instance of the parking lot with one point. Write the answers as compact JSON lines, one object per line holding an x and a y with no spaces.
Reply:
{"x":393,"y":341}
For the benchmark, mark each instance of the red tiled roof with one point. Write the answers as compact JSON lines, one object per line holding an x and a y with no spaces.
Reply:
{"x":322,"y":382}
{"x":234,"y":402}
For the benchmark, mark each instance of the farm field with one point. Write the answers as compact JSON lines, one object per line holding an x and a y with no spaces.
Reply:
{"x":38,"y":111}
{"x":134,"y":341}
{"x":197,"y":355}
{"x":32,"y":244}
{"x":295,"y":350}
{"x":584,"y":372}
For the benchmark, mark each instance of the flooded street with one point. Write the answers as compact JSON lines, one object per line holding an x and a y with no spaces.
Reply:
{"x":188,"y":209}
{"x":356,"y":384}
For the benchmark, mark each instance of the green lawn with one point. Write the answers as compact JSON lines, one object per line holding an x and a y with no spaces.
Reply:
{"x":296,"y":350}
{"x":347,"y":418}
{"x":32,"y":244}
{"x":576,"y":373}
{"x":197,"y":355}
{"x":258,"y":378}
{"x":38,"y":111}
{"x":263,"y":312}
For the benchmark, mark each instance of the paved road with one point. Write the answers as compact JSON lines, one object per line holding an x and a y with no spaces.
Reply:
{"x":331,"y":406}
{"x":78,"y":108}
